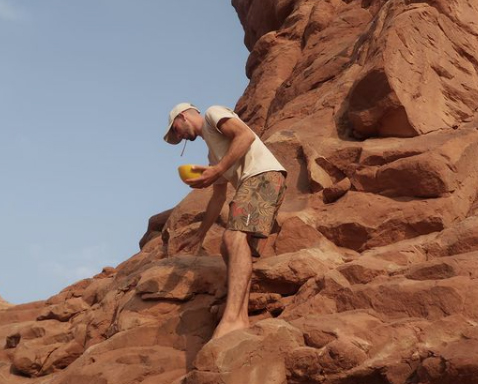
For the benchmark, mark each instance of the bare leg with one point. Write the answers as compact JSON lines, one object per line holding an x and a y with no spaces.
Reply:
{"x":218,"y":310}
{"x":239,"y":271}
{"x":245,"y":309}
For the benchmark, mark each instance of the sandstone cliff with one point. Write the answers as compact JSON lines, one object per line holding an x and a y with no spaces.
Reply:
{"x":370,"y":277}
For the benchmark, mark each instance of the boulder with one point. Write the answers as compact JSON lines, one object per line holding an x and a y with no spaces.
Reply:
{"x":181,"y":277}
{"x":64,"y":311}
{"x":412,"y":95}
{"x":253,"y":356}
{"x":286,"y":273}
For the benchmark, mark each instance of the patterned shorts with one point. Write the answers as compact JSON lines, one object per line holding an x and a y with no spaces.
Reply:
{"x":256,"y":203}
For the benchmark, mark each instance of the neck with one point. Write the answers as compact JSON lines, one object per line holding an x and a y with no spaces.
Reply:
{"x":200,"y":126}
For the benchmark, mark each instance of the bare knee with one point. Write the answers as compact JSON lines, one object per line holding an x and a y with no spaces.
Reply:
{"x":231,"y":239}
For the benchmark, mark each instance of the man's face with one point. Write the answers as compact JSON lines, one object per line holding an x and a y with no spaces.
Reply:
{"x":183,"y":127}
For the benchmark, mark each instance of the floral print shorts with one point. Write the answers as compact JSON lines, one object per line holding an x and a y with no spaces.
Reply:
{"x":256,"y":203}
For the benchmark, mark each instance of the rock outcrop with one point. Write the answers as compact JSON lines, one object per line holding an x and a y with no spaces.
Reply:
{"x":371,"y":273}
{"x":4,"y":304}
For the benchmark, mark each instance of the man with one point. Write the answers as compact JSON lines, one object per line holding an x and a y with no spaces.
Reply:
{"x":238,"y":156}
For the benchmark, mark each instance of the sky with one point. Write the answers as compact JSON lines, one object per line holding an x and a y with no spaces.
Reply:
{"x":85,"y":91}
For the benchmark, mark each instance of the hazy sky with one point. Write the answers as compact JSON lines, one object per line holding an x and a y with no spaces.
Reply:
{"x":85,"y":89}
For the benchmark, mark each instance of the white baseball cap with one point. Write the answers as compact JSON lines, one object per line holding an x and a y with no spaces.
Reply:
{"x":170,"y":136}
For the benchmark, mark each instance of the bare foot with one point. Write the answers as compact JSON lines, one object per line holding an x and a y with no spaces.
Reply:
{"x":225,"y":327}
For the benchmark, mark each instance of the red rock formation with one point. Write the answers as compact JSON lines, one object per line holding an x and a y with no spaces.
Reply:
{"x":4,"y":304}
{"x":371,"y":276}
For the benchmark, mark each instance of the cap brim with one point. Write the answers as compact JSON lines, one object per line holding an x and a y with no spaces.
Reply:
{"x":170,"y":136}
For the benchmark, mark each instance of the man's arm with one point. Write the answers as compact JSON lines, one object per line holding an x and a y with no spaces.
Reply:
{"x":241,"y":140}
{"x":213,"y":211}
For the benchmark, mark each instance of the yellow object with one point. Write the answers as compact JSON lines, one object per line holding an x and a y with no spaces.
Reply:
{"x":185,"y":172}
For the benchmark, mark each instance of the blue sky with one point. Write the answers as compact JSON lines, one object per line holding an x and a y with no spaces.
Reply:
{"x":85,"y":89}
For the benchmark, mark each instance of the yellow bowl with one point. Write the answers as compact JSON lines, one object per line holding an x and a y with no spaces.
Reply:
{"x":185,"y":172}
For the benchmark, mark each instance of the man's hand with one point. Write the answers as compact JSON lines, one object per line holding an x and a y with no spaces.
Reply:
{"x":208,"y":177}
